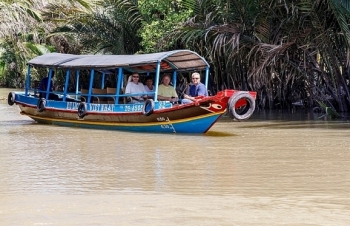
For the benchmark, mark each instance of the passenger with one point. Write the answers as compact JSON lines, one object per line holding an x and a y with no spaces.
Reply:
{"x":149,"y":87}
{"x":43,"y":87}
{"x":134,"y":86}
{"x":196,"y":89}
{"x":166,"y":91}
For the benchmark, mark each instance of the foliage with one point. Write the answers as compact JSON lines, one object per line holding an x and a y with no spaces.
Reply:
{"x":21,"y":38}
{"x":286,"y":50}
{"x":160,"y":17}
{"x":103,"y":27}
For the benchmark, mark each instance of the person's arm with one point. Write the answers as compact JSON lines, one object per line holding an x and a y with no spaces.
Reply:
{"x":175,"y":97}
{"x":189,"y":97}
{"x":171,"y":99}
{"x":160,"y":97}
{"x":191,"y":93}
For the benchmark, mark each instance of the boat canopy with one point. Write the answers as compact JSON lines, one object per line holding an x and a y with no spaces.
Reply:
{"x":179,"y":60}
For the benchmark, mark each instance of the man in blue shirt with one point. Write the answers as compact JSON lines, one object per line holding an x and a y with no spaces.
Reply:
{"x":43,"y":86}
{"x":196,"y":89}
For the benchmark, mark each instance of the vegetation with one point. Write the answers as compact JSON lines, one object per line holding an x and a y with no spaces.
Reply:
{"x":288,"y":51}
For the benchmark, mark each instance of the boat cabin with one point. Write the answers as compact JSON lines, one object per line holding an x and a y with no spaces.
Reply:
{"x":101,"y":79}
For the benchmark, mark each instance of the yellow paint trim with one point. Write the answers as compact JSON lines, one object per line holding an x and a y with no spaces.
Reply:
{"x":82,"y":121}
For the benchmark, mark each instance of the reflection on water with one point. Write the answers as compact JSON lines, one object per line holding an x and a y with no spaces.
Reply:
{"x":275,"y":169}
{"x":214,"y":133}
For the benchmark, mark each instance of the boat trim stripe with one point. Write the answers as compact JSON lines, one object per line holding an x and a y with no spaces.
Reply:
{"x":82,"y":121}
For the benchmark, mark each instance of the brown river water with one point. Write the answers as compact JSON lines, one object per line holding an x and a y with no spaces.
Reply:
{"x":274,"y":169}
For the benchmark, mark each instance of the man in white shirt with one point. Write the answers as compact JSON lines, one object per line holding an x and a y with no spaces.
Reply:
{"x":134,"y":86}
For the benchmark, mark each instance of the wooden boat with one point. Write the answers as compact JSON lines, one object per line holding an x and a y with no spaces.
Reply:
{"x":88,"y":108}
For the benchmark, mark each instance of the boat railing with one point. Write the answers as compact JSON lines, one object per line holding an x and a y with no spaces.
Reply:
{"x":123,"y":95}
{"x":101,"y":96}
{"x":35,"y":90}
{"x":109,"y":95}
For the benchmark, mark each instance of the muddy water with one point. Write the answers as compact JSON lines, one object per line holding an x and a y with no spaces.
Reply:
{"x":275,"y":169}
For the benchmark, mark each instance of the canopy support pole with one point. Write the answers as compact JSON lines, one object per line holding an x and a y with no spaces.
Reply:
{"x":206,"y":77}
{"x":77,"y":84}
{"x":91,"y":82}
{"x":119,"y":85}
{"x":103,"y":80}
{"x":66,"y":85}
{"x":28,"y":81}
{"x":157,"y":81}
{"x":174,"y":79}
{"x":48,"y":84}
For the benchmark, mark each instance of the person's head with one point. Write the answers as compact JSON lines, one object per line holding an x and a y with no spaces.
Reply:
{"x":196,"y":78}
{"x":166,"y":79}
{"x":149,"y":82}
{"x":135,"y":78}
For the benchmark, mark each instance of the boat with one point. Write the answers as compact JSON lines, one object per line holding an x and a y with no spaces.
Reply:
{"x":108,"y":108}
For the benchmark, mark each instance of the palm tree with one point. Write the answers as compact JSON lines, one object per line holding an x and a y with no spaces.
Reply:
{"x":19,"y":35}
{"x":109,"y":27}
{"x":286,"y":50}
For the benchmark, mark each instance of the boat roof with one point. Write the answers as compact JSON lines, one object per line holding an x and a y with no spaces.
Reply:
{"x":170,"y":60}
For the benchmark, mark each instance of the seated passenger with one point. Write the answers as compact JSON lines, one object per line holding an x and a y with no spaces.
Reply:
{"x":149,"y":87}
{"x":196,"y":89}
{"x":43,"y":87}
{"x":166,"y":91}
{"x":134,"y":86}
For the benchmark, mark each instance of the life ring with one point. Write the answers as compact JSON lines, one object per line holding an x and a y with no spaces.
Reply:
{"x":82,"y":110}
{"x":246,"y":110}
{"x":11,"y":98}
{"x":40,"y":107}
{"x":148,"y":107}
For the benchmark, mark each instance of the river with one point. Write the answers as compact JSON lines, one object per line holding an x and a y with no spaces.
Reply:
{"x":274,"y":169}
